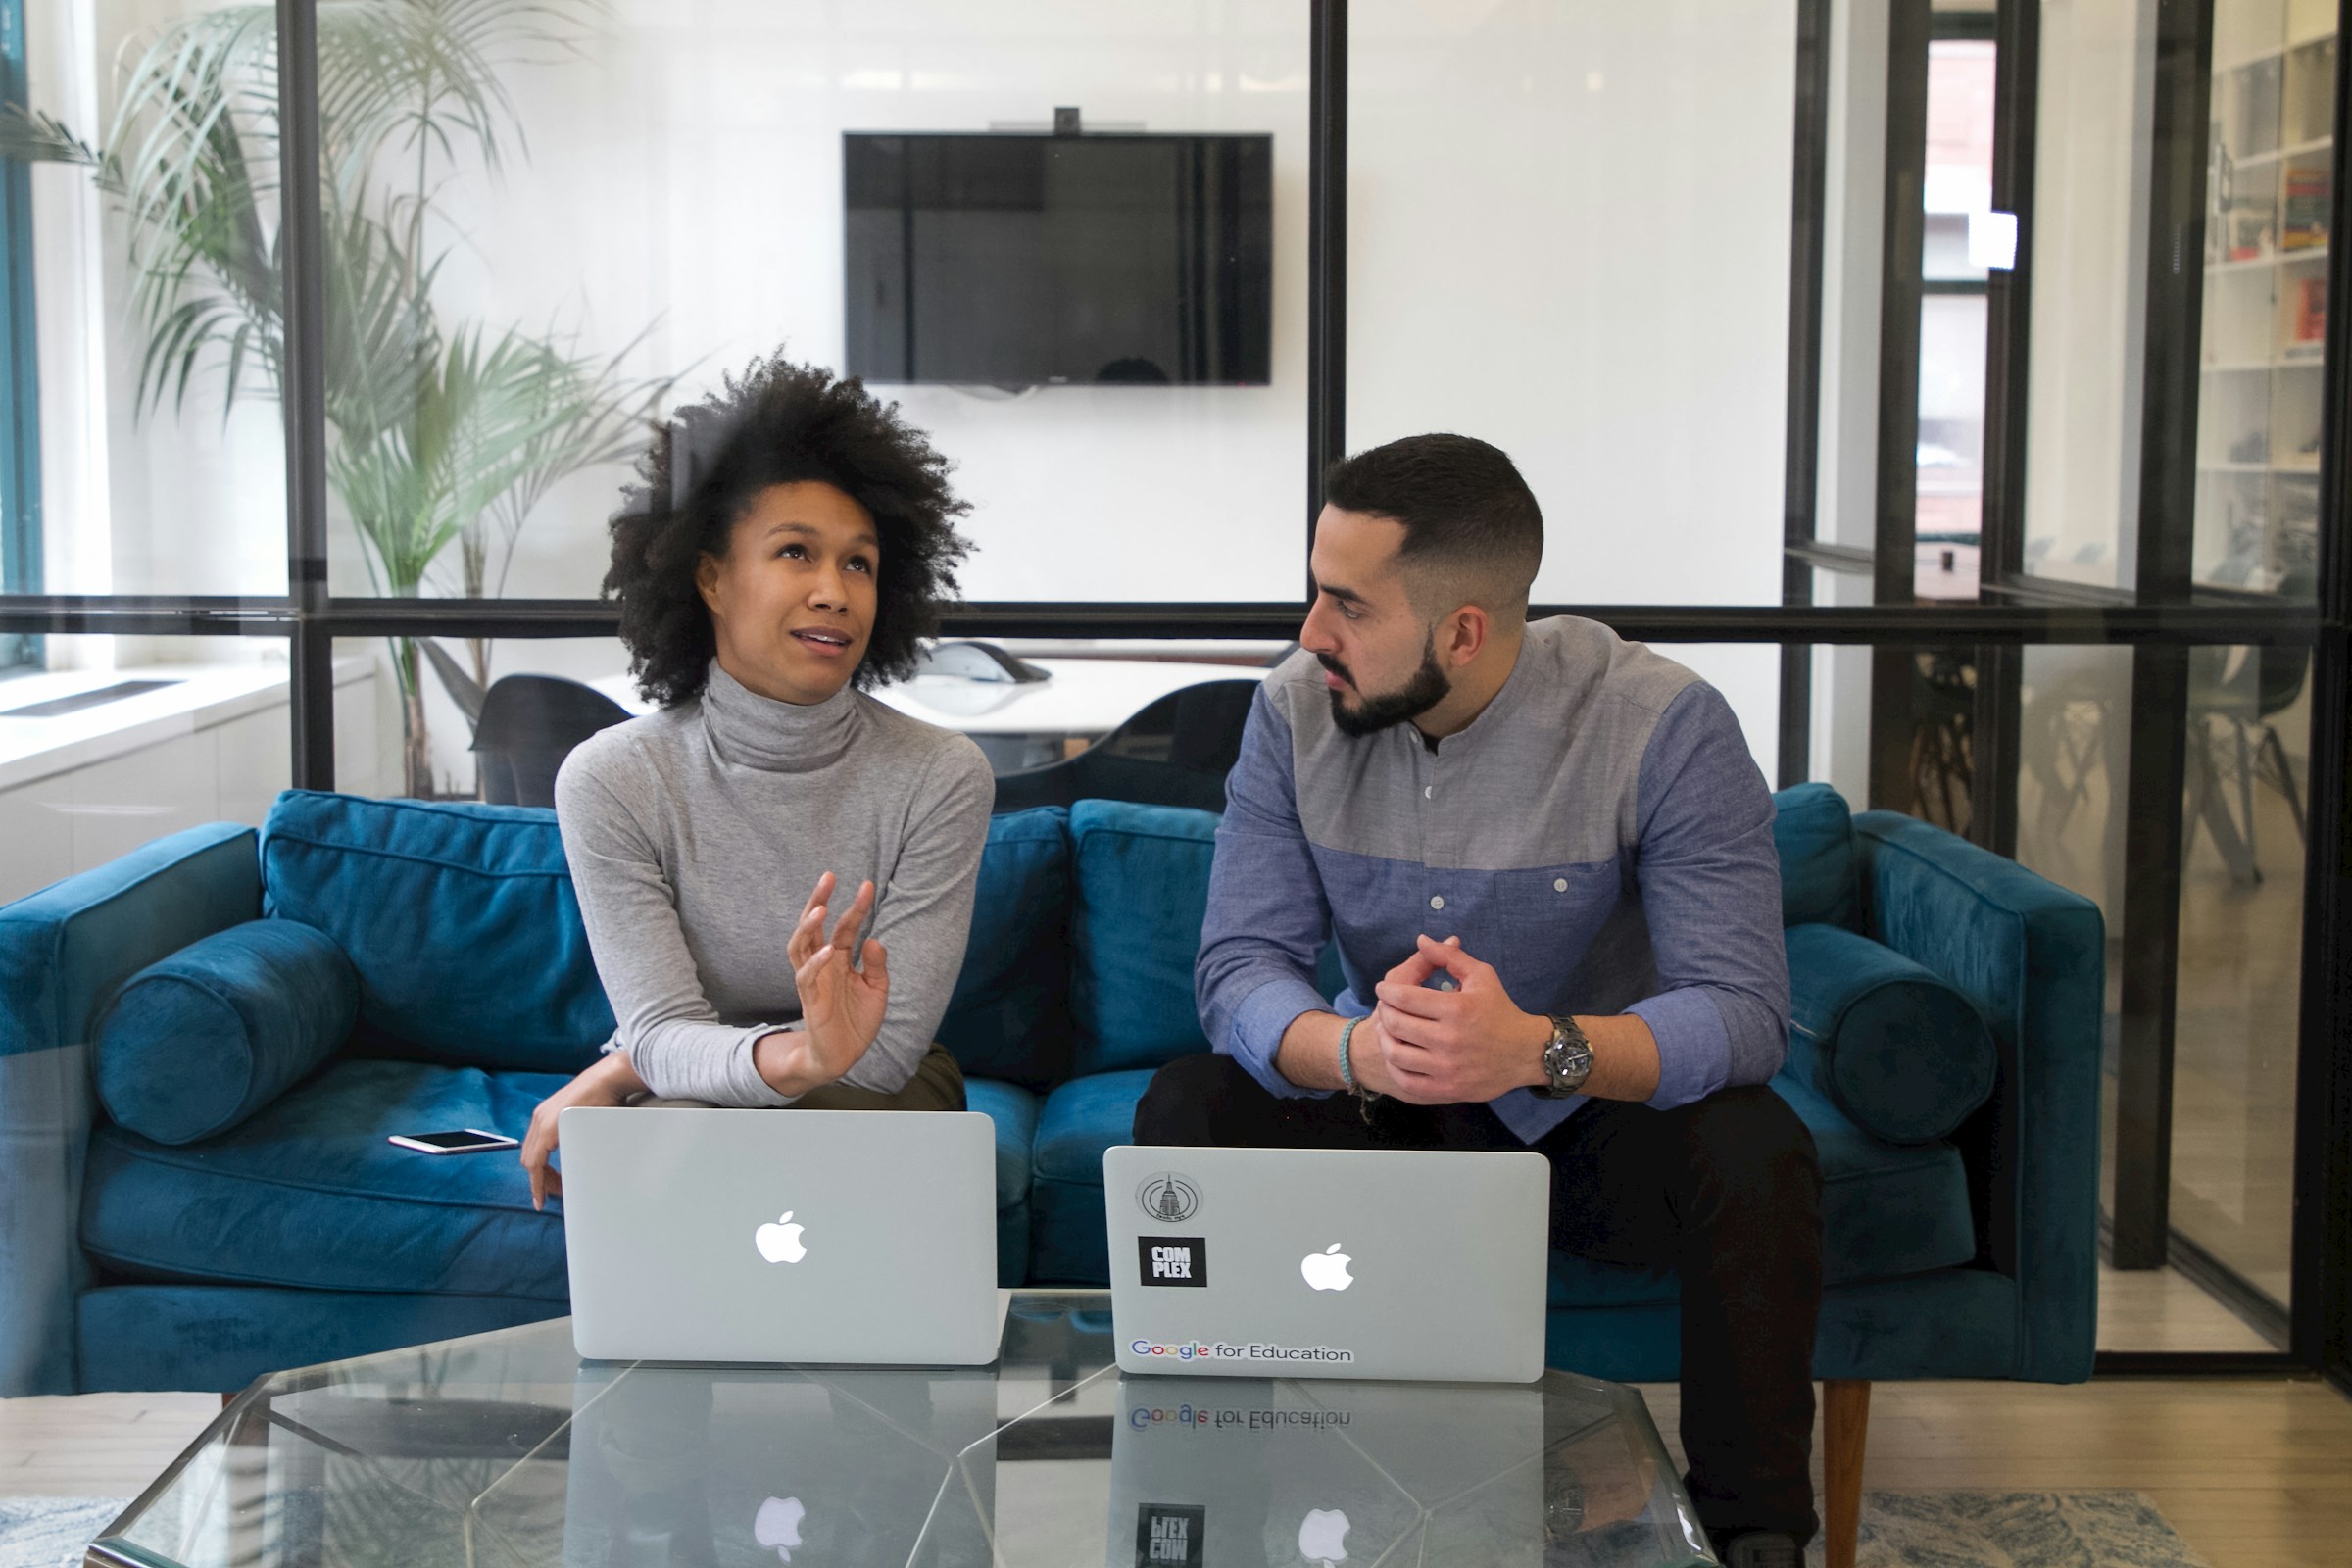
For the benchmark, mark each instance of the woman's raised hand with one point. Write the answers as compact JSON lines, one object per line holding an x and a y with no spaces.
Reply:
{"x":842,"y":1004}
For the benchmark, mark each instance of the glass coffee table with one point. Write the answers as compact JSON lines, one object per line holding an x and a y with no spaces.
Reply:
{"x":507,"y":1451}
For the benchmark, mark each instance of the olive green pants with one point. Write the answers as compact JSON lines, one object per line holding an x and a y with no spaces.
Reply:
{"x":937,"y":1085}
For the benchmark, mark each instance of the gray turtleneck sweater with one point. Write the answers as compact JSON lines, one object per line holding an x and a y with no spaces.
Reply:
{"x":695,"y":836}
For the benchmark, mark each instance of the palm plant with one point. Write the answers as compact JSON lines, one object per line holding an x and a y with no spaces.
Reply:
{"x":442,"y":434}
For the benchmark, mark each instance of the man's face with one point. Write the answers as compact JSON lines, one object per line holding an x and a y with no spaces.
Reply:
{"x":1379,"y":657}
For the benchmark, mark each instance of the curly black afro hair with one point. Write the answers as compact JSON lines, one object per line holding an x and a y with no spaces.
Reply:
{"x":778,"y":423}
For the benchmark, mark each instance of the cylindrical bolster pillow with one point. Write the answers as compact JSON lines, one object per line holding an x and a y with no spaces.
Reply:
{"x":198,"y":1042}
{"x":1895,"y":1046}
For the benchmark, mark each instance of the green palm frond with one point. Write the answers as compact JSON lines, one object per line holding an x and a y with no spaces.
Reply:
{"x":475,"y":427}
{"x":425,"y":75}
{"x":33,"y":137}
{"x":592,"y":416}
{"x":380,"y":329}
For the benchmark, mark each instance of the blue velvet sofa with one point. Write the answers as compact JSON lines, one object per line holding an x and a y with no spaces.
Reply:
{"x":204,"y":1044}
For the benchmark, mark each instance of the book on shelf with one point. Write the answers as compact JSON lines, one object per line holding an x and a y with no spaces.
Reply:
{"x":2311,"y":309}
{"x":2305,"y":225}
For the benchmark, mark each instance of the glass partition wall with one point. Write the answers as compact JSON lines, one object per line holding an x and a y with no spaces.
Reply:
{"x":1954,"y":387}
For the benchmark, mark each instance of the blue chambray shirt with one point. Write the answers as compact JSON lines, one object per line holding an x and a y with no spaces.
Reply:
{"x":1601,"y":835}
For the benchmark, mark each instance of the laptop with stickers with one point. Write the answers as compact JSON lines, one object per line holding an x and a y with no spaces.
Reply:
{"x":1335,"y":1263}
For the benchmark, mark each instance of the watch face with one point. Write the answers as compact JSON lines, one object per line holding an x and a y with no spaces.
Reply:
{"x":1568,"y":1059}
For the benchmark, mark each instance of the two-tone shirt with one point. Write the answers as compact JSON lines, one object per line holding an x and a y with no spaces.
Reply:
{"x":1601,"y":834}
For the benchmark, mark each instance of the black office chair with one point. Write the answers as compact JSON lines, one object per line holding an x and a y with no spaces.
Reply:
{"x":2246,"y":696}
{"x":528,"y":725}
{"x":1175,"y":752}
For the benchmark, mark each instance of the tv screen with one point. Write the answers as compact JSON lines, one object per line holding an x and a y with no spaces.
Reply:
{"x":1024,"y":260}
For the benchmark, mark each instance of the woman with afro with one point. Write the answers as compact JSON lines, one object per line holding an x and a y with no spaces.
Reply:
{"x":792,"y":542}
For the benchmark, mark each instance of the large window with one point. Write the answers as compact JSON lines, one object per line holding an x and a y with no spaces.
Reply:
{"x":145,"y":147}
{"x":644,"y":203}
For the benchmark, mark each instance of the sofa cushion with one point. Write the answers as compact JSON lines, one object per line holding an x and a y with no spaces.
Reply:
{"x":1893,"y":1044}
{"x":1081,"y":1118}
{"x":1010,"y":1015}
{"x":1813,"y":832}
{"x":1142,"y":876}
{"x":307,"y":1193}
{"x":178,"y":1335}
{"x":197,"y":1041}
{"x":1013,"y":1110}
{"x":461,"y":920}
{"x":1886,"y":1209}
{"x":1077,"y":1122}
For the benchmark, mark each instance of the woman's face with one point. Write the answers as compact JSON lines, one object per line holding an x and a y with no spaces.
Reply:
{"x":792,"y":601}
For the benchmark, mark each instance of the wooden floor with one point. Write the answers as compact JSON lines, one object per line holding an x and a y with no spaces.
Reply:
{"x":2252,"y":1474}
{"x":2163,"y":1309}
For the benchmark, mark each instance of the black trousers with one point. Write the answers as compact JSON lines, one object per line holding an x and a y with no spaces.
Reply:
{"x":1727,"y":1192}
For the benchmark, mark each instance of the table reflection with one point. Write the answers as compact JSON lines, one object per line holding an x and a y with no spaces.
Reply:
{"x":690,"y":1467}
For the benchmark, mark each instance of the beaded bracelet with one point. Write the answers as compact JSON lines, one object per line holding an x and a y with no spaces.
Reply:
{"x":1346,"y":1072}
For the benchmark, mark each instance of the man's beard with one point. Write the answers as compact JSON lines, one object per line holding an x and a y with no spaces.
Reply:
{"x":1427,"y":688}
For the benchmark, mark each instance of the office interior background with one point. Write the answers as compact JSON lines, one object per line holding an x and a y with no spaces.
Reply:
{"x":1954,"y":387}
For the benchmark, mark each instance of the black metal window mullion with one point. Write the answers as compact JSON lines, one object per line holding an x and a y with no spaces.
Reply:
{"x":2153,"y":850}
{"x":1903,"y":220}
{"x":1326,"y":254}
{"x":1799,"y":511}
{"x":2319,"y":1311}
{"x":20,"y":524}
{"x":303,"y":261}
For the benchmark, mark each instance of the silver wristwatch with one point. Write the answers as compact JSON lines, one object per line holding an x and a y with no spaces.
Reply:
{"x":1567,"y":1060}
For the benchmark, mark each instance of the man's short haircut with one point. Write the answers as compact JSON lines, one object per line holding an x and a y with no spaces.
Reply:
{"x":1473,"y":533}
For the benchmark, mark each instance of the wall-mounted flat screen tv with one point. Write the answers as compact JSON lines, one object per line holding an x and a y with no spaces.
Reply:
{"x":1033,"y":259}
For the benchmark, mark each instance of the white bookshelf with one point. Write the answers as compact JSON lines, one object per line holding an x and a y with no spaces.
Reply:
{"x":2269,"y":175}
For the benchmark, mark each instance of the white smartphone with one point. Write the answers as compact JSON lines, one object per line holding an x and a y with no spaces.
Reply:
{"x":471,"y":1141}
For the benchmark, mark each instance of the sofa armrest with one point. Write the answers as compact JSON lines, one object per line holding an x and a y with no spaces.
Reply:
{"x":62,"y":953}
{"x":2033,"y":954}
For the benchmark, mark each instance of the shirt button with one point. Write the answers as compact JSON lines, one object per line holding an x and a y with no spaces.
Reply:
{"x":1429,"y":791}
{"x":1559,"y":884}
{"x":1436,"y":903}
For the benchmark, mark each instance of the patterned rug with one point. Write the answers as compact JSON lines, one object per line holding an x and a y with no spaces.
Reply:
{"x":1900,"y":1530}
{"x":50,"y":1531}
{"x":2014,"y":1530}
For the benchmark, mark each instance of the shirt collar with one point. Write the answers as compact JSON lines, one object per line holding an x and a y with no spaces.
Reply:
{"x":1495,"y":716}
{"x":750,"y":730}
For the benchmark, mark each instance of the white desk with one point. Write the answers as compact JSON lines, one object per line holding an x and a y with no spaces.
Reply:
{"x":1082,"y":697}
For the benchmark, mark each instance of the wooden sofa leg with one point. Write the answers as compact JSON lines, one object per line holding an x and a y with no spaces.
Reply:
{"x":1845,"y":1413}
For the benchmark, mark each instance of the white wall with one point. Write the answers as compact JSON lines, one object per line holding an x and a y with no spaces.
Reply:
{"x":1569,"y":235}
{"x":686,"y":171}
{"x":2090,"y":249}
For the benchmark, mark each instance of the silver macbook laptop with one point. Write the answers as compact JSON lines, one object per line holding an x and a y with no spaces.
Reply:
{"x":1336,"y":1263}
{"x":804,"y":1236}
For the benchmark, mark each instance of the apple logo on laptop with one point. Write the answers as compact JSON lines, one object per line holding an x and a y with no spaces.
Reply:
{"x":1322,"y":1537}
{"x":780,"y":1242}
{"x":1327,"y":1270}
{"x":778,"y":1527}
